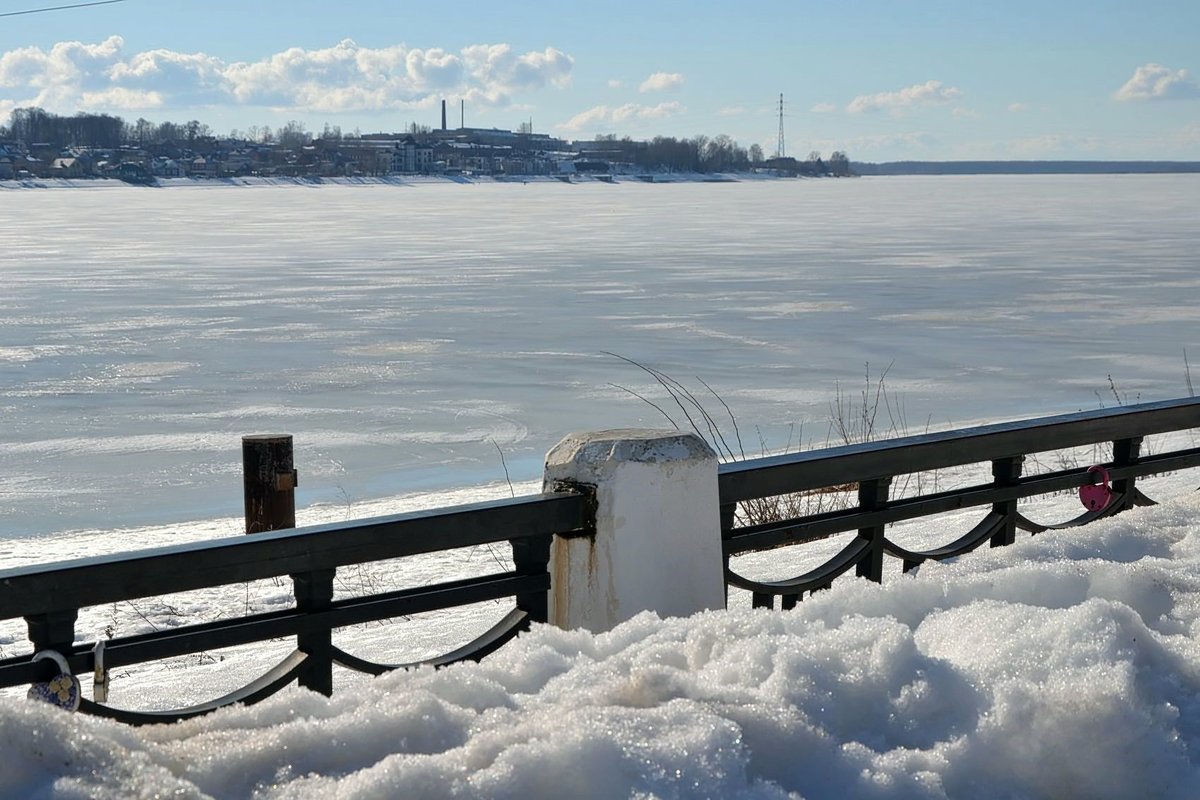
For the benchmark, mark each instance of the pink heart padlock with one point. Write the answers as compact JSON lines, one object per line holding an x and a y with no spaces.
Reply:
{"x":1096,"y":496}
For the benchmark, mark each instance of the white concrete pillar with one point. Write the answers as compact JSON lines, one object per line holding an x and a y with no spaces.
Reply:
{"x":658,"y":532}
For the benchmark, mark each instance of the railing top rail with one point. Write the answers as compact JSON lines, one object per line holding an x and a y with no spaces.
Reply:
{"x":763,"y":477}
{"x":79,"y":583}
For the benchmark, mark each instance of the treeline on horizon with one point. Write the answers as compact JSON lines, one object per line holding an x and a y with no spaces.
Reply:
{"x":29,"y":126}
{"x":1023,"y":167}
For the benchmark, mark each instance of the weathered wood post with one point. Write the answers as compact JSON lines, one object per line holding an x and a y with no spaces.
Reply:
{"x":270,"y":479}
{"x":657,"y":545}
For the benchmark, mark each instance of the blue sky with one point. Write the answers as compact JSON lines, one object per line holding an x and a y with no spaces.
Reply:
{"x":879,"y":80}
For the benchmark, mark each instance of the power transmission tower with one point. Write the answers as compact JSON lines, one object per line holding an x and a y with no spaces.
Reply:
{"x":779,"y":149}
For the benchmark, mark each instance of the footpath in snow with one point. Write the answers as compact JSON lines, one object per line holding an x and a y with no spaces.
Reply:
{"x":1065,"y":665}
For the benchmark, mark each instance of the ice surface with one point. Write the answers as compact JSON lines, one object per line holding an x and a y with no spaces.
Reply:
{"x":1065,"y":665}
{"x":402,"y":333}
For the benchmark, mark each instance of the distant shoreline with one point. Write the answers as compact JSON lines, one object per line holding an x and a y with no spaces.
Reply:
{"x":1025,"y":167}
{"x":887,"y":169}
{"x":394,"y":180}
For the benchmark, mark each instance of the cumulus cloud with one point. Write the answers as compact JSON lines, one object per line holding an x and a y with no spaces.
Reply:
{"x":601,"y":116}
{"x":731,"y":111}
{"x":344,"y":77}
{"x":120,"y":99}
{"x":615,"y":84}
{"x":661,"y":82}
{"x":823,"y":108}
{"x":930,"y":93}
{"x":1156,"y":82}
{"x":1017,"y":108}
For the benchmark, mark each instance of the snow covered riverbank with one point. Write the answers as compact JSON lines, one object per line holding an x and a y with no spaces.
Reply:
{"x":391,"y":180}
{"x":1067,"y":664}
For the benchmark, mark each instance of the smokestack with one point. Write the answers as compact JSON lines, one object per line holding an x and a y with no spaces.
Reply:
{"x":462,"y":114}
{"x":443,"y":114}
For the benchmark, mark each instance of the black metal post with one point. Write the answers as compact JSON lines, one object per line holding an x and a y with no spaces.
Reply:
{"x":1006,"y":472}
{"x":53,"y":631}
{"x":314,"y":592}
{"x":1126,"y":452}
{"x":531,"y":556}
{"x":728,"y":513}
{"x":269,"y":479}
{"x":762,"y":600}
{"x":873,"y":495}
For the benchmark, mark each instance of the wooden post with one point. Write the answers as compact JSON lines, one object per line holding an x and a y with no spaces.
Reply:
{"x":269,"y":478}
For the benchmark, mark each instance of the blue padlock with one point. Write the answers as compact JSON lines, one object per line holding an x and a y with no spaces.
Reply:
{"x":63,"y":690}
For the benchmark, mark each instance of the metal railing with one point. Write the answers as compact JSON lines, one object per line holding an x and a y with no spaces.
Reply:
{"x":49,"y":597}
{"x":873,"y":467}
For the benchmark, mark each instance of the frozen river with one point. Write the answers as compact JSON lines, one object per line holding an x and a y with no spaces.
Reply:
{"x":408,"y":335}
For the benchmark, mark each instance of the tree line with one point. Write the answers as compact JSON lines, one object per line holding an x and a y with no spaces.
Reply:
{"x":35,"y":126}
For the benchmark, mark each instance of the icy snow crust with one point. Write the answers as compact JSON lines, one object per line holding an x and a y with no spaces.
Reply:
{"x":1065,"y":665}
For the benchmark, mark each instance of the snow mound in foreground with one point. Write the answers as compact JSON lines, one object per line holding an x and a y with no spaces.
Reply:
{"x":1066,"y":665}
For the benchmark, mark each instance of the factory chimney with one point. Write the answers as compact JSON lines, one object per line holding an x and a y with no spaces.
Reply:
{"x":443,"y":114}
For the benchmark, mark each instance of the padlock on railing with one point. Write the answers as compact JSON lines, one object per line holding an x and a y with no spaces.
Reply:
{"x":100,"y":675}
{"x":62,"y":690}
{"x":1096,"y":496}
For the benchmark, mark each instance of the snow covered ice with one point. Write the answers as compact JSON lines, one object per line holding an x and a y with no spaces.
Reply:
{"x":1065,"y":665}
{"x":403,"y":333}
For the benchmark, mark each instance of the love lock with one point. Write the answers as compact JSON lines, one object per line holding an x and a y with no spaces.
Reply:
{"x":1097,"y":496}
{"x":63,"y":690}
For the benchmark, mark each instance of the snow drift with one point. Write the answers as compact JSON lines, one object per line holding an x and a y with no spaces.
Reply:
{"x":1065,"y":665}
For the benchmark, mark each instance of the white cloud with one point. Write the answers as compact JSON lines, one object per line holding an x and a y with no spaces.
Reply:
{"x":344,"y":77}
{"x":661,"y":82}
{"x":1017,"y":108}
{"x":66,"y":65}
{"x":1156,"y":82}
{"x":496,"y":68}
{"x":965,"y":113}
{"x":601,"y":116}
{"x":120,"y":99}
{"x":615,"y":84}
{"x":732,"y":111}
{"x":823,"y":108}
{"x":929,"y":93}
